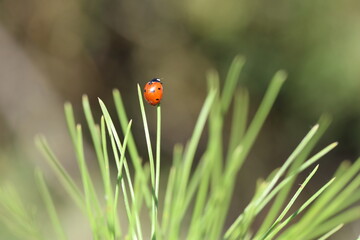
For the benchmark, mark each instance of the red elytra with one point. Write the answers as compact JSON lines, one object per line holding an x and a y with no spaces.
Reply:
{"x":153,"y":91}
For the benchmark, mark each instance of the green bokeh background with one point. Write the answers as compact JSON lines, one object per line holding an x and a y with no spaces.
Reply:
{"x":53,"y":51}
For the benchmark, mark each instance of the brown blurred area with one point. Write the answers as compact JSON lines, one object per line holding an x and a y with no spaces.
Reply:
{"x":55,"y":51}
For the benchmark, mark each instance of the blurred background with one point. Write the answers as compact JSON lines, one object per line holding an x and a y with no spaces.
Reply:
{"x":55,"y":51}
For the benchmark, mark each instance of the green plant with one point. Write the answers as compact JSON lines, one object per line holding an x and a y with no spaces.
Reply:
{"x":204,"y":195}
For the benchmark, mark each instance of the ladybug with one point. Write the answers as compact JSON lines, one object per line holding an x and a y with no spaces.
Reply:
{"x":153,"y":91}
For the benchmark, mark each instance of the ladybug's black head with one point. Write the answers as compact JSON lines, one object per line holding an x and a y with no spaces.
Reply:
{"x":155,"y":80}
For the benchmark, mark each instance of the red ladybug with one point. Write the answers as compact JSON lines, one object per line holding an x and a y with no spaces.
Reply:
{"x":153,"y":91}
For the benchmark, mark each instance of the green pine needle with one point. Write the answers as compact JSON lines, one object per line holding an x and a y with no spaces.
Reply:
{"x":195,"y":202}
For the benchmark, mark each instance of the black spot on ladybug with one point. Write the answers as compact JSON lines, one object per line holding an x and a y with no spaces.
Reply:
{"x":144,"y":90}
{"x":157,"y":99}
{"x":159,"y":88}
